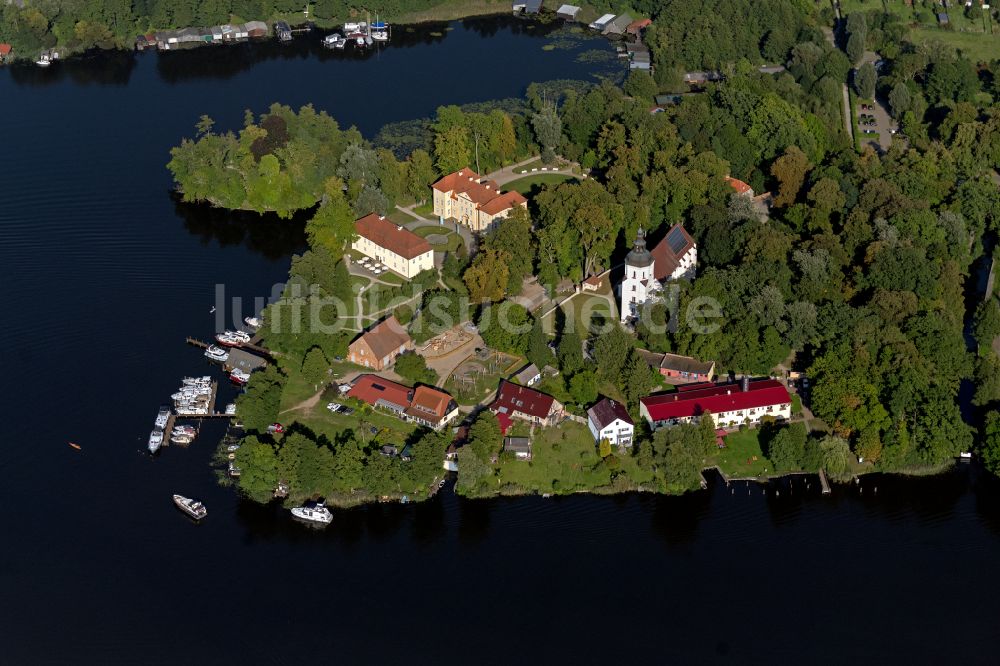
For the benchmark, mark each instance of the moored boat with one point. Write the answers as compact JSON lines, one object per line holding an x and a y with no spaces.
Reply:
{"x":162,"y":417}
{"x":240,"y":377}
{"x":255,"y":322}
{"x":216,"y":353}
{"x":191,"y":507}
{"x":316,"y":514}
{"x":155,"y":440}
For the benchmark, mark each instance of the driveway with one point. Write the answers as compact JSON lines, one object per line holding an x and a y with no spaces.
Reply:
{"x":513,"y":172}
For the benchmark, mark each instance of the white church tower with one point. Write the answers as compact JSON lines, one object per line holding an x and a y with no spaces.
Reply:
{"x":639,"y":284}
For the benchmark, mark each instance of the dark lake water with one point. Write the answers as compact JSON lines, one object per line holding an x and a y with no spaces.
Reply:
{"x":105,"y":275}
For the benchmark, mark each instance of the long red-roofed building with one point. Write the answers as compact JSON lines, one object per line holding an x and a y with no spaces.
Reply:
{"x":729,"y":404}
{"x":473,"y":200}
{"x":424,"y":405}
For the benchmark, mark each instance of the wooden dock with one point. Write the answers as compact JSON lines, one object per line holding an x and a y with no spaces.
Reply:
{"x":263,"y":351}
{"x":823,"y":482}
{"x":212,"y":414}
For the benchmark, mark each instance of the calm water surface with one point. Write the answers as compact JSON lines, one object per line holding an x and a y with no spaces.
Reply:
{"x":105,"y":275}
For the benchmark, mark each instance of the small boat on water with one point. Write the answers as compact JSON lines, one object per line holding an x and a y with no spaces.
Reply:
{"x":255,"y":322}
{"x":232,"y":338}
{"x":232,"y":448}
{"x":215,"y":353}
{"x":76,"y":446}
{"x":191,"y":507}
{"x":380,"y":30}
{"x":317,"y":514}
{"x":181,"y":439}
{"x":162,"y":417}
{"x":240,"y":377}
{"x":155,"y":440}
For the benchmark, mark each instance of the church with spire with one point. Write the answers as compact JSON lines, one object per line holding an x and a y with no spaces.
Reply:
{"x":673,"y":258}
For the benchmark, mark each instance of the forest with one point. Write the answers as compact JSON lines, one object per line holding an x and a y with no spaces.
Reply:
{"x":861,"y":266}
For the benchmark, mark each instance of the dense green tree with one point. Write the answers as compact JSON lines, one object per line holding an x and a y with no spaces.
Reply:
{"x":538,"y":351}
{"x":413,"y":366}
{"x":548,"y":130}
{"x":786,"y":449}
{"x":864,"y":80}
{"x":640,"y":84}
{"x":258,"y":469}
{"x":258,"y":406}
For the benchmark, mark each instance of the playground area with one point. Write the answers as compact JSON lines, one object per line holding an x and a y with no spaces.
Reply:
{"x":478,"y":375}
{"x":445,"y":343}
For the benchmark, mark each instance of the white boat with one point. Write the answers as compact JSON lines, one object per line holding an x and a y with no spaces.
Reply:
{"x":184,"y":430}
{"x":965,"y":456}
{"x":233,"y":448}
{"x":351,"y":27}
{"x":215,"y":353}
{"x":189,"y":381}
{"x":42,"y":62}
{"x":255,"y":322}
{"x":191,"y":507}
{"x":316,"y":514}
{"x":155,"y":440}
{"x":231,"y":409}
{"x":359,"y":40}
{"x":239,"y":376}
{"x":329,"y":41}
{"x":181,"y":439}
{"x":162,"y":417}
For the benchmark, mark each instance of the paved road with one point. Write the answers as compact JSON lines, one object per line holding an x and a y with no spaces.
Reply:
{"x":884,"y":122}
{"x":513,"y":172}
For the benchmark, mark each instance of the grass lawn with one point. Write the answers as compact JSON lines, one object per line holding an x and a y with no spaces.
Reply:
{"x":740,"y":448}
{"x":401,"y":217}
{"x":565,"y":459}
{"x":972,"y":45}
{"x":473,"y":394}
{"x":454,"y":240}
{"x":425,"y":210}
{"x":582,"y":310}
{"x":527,"y":184}
{"x":796,"y":404}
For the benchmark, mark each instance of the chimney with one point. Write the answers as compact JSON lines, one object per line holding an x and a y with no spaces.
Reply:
{"x":745,"y":383}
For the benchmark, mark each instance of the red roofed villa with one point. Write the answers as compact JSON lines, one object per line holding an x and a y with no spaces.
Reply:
{"x":520,"y":402}
{"x":473,"y":200}
{"x":740,"y":187}
{"x":379,"y":346}
{"x":423,"y":405}
{"x":399,"y":249}
{"x":729,"y":404}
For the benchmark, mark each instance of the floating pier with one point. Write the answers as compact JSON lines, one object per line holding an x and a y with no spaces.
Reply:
{"x":246,"y":346}
{"x":823,"y":482}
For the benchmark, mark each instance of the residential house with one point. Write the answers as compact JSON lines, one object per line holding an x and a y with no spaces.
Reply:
{"x":568,"y":12}
{"x":673,"y":258}
{"x":609,"y":420}
{"x":635,"y":28}
{"x":529,"y":375}
{"x":399,"y":249}
{"x":423,"y":405}
{"x":5,"y":51}
{"x":431,"y":407}
{"x":739,"y":187}
{"x":471,"y":199}
{"x":526,"y":7}
{"x":256,"y":29}
{"x":593,"y":283}
{"x":679,"y":369}
{"x":519,"y":446}
{"x":520,"y":402}
{"x":730,"y":405}
{"x":378,"y":347}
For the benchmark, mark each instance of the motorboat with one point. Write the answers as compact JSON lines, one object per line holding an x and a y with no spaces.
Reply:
{"x":240,"y":377}
{"x":181,"y":439}
{"x":330,"y":41}
{"x":232,"y":338}
{"x":215,"y":353}
{"x":380,"y":31}
{"x":255,"y":322}
{"x":191,"y":507}
{"x":231,"y":409}
{"x":316,"y":514}
{"x":162,"y":417}
{"x":232,"y":448}
{"x":155,"y":440}
{"x":234,"y":471}
{"x":351,"y":27}
{"x":194,"y":381}
{"x":185,"y":430}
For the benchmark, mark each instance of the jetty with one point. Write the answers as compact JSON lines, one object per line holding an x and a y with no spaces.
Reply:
{"x":823,"y":482}
{"x":248,"y":345}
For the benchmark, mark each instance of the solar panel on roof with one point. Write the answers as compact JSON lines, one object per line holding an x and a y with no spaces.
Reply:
{"x":676,"y":240}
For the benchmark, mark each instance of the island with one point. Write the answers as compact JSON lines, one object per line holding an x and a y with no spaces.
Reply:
{"x":723,"y":263}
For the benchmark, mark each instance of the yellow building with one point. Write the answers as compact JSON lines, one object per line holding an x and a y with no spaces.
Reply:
{"x":469,"y":198}
{"x":399,"y":249}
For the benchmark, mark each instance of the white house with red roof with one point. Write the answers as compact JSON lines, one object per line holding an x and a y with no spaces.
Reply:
{"x":609,"y":420}
{"x":730,"y":405}
{"x":399,"y":249}
{"x":673,"y":258}
{"x":520,"y":402}
{"x":473,"y":200}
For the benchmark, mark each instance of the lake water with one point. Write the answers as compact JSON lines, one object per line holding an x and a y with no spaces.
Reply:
{"x":105,"y":276}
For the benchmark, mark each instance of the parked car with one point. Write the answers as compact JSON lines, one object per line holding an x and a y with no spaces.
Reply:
{"x":334,"y":407}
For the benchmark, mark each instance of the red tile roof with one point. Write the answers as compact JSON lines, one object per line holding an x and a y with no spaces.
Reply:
{"x":385,"y":337}
{"x":738,"y":185}
{"x":515,"y":398}
{"x":392,"y":237}
{"x":484,"y":193}
{"x":606,"y":412}
{"x":5,"y":49}
{"x":717,"y":399}
{"x":429,"y":404}
{"x":372,"y":388}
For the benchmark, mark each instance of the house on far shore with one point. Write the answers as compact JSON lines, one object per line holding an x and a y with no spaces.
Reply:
{"x":529,"y":375}
{"x":730,"y":405}
{"x":519,"y":446}
{"x":520,"y":402}
{"x":423,"y":405}
{"x":617,"y":26}
{"x":431,"y":407}
{"x":677,"y":369}
{"x":635,"y":28}
{"x":568,"y":12}
{"x":526,"y":7}
{"x":5,"y":51}
{"x":378,"y":347}
{"x":609,"y":420}
{"x":399,"y":249}
{"x":478,"y":203}
{"x":602,"y":23}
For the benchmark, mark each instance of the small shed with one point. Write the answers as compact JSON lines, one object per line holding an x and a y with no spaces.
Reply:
{"x":240,"y":31}
{"x":188,"y":35}
{"x":601,"y":23}
{"x":528,"y":375}
{"x":531,"y":6}
{"x":256,"y":29}
{"x":216,"y":33}
{"x":640,"y":60}
{"x":593,"y":283}
{"x":568,"y":12}
{"x":519,"y":446}
{"x":617,"y":25}
{"x":942,"y":18}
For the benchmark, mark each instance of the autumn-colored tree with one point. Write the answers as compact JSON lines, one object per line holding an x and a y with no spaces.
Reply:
{"x":604,"y":448}
{"x":790,"y":171}
{"x":487,"y":277}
